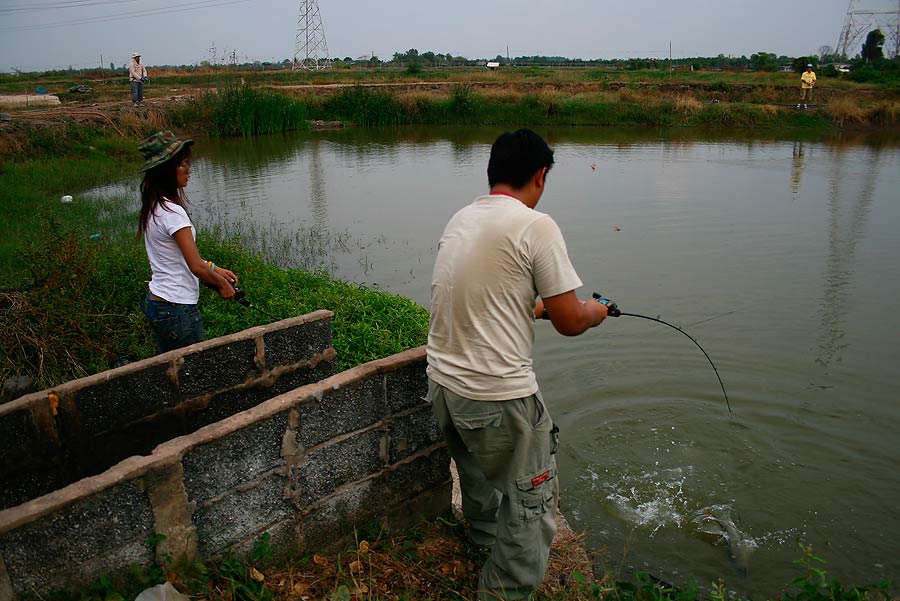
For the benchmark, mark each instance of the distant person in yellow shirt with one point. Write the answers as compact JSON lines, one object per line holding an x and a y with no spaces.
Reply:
{"x":807,"y":81}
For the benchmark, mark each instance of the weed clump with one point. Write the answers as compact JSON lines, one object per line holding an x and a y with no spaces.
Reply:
{"x":239,"y":110}
{"x":73,"y":320}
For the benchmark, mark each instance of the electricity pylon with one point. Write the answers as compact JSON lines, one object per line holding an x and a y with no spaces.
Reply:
{"x":860,"y":20}
{"x":310,"y":49}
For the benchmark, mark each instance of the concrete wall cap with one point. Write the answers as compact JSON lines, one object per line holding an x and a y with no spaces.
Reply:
{"x":161,"y":359}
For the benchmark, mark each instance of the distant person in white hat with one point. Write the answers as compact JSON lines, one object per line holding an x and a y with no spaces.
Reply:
{"x":807,"y":81}
{"x":137,"y":74}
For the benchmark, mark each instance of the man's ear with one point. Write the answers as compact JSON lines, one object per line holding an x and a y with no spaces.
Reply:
{"x":540,"y":177}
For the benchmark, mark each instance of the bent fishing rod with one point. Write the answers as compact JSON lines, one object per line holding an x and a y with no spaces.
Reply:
{"x":612,"y":310}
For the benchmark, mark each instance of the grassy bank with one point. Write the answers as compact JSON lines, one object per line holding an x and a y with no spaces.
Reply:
{"x":72,"y":274}
{"x":242,"y":110}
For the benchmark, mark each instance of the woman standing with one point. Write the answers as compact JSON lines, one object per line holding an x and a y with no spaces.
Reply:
{"x":171,"y":303}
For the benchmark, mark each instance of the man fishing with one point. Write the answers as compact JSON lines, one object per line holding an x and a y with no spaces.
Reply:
{"x":494,"y":258}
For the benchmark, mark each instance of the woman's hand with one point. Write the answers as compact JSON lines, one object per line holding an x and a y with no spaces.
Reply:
{"x":228,"y":275}
{"x":226,"y":291}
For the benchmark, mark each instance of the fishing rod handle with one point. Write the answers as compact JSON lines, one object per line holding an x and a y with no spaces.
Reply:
{"x":612,"y":310}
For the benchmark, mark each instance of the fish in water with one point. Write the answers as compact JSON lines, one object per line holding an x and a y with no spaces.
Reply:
{"x":717,"y":521}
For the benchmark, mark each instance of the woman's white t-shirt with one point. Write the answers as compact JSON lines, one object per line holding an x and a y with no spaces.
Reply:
{"x":172,"y":279}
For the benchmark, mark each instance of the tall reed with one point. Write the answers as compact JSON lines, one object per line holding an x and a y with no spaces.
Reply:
{"x":366,"y":107}
{"x":240,"y":110}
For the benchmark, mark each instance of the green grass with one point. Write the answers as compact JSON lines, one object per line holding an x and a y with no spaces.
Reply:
{"x":71,"y":301}
{"x":74,"y":158}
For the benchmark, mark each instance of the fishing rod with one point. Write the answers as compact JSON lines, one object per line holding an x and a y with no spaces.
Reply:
{"x":241,"y":297}
{"x":612,"y":310}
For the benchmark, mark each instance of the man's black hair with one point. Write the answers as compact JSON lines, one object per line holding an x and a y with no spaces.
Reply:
{"x":516,"y":156}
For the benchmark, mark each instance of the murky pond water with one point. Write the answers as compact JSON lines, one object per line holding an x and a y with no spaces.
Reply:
{"x":780,"y":256}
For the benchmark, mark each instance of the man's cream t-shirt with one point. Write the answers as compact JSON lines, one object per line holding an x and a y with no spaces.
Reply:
{"x":494,"y":258}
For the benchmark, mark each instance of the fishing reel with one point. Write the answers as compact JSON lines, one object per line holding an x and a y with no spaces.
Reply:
{"x":612,"y":310}
{"x":240,"y":295}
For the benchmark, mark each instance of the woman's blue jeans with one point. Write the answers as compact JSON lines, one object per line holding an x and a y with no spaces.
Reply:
{"x":175,"y":325}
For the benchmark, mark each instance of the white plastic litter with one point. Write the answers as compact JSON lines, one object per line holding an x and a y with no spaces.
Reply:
{"x":162,"y":592}
{"x":66,"y":198}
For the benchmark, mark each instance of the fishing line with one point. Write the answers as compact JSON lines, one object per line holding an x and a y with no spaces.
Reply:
{"x":614,"y":311}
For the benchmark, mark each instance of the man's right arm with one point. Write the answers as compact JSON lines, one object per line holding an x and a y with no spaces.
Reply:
{"x":569,"y":315}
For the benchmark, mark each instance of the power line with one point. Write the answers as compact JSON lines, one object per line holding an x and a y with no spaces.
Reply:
{"x":60,"y":5}
{"x":127,"y":15}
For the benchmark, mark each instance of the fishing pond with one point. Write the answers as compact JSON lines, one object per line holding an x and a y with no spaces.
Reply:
{"x":779,"y":255}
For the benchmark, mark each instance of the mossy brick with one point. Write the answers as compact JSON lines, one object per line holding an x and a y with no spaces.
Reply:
{"x":412,"y":433}
{"x":351,"y":407}
{"x":335,"y":518}
{"x":124,"y":399}
{"x":213,"y":468}
{"x":218,"y":368}
{"x":406,"y":387}
{"x":415,"y":476}
{"x":329,"y":466}
{"x":329,"y":525}
{"x":39,"y":552}
{"x":303,"y":376}
{"x":117,"y":564}
{"x":225,"y":404}
{"x":282,"y":542}
{"x":241,"y":514}
{"x":290,"y":345}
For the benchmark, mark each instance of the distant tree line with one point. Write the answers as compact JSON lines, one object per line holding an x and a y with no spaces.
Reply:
{"x":869,"y":65}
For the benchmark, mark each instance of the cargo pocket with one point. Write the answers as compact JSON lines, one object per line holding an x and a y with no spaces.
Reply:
{"x":535,"y":494}
{"x":483,"y":433}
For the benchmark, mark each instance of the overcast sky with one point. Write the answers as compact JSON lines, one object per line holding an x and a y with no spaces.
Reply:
{"x":172,"y":32}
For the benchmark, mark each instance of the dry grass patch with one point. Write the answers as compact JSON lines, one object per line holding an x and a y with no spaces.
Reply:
{"x":629,"y":96}
{"x":885,"y":113}
{"x":687,"y":104}
{"x":433,"y":561}
{"x":845,"y":111}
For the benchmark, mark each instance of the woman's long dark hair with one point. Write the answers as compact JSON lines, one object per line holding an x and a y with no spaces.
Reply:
{"x":160,"y":184}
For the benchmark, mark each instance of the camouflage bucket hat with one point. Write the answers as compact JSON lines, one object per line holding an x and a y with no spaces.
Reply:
{"x":159,"y":148}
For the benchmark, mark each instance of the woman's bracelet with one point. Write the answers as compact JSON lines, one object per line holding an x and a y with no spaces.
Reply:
{"x":211,"y":265}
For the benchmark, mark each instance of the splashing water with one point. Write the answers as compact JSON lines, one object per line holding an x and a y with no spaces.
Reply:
{"x":651,"y":499}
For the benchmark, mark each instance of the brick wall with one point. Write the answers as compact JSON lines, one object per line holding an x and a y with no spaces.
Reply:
{"x":306,"y":467}
{"x":54,"y":437}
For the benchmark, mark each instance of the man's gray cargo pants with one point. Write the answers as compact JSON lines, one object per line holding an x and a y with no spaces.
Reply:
{"x":505,"y":456}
